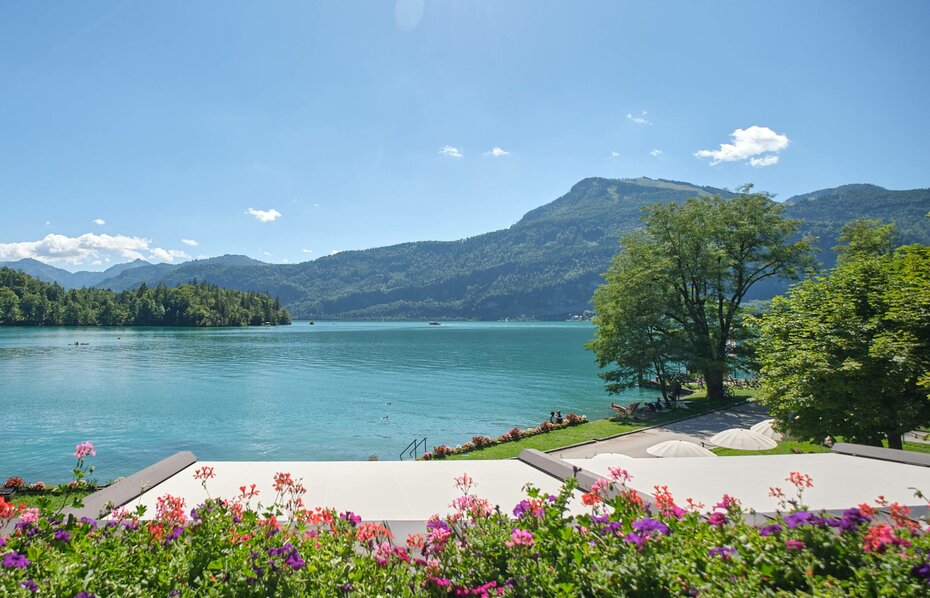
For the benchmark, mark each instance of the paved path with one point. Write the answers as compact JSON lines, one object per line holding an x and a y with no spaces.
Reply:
{"x":698,"y":429}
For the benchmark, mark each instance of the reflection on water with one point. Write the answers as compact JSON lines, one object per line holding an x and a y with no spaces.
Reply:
{"x":328,"y":391}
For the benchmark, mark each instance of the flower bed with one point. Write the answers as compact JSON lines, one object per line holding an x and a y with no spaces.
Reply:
{"x":238,"y":546}
{"x":479,"y":442}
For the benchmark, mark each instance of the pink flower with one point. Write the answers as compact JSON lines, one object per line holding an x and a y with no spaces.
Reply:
{"x":464,"y":482}
{"x":29,"y":515}
{"x":618,"y":474}
{"x":84,"y":449}
{"x":717,"y":519}
{"x":794,"y":545}
{"x":520,"y":537}
{"x":600,"y":487}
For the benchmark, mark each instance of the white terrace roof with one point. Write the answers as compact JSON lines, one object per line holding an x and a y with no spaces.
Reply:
{"x":375,"y":490}
{"x":839,"y":481}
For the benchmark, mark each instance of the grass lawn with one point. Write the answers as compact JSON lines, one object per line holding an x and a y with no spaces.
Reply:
{"x":58,"y":501}
{"x":697,"y":404}
{"x":787,"y":447}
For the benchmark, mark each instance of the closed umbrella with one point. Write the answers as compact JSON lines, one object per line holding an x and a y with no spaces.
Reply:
{"x":746,"y":440}
{"x":765,"y":428}
{"x":678,"y":448}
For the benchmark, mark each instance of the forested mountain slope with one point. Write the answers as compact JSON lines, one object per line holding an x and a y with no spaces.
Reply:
{"x":546,"y":266}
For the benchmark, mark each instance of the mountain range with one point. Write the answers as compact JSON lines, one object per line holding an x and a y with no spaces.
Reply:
{"x":546,"y":266}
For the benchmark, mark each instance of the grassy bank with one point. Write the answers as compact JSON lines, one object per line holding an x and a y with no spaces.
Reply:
{"x":787,"y":447}
{"x":601,"y":428}
{"x":58,"y":501}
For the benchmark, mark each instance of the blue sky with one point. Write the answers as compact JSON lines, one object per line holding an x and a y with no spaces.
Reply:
{"x":170,"y":121}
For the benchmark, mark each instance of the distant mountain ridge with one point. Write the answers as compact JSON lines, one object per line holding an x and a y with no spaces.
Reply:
{"x":70,"y":280}
{"x":545,"y":266}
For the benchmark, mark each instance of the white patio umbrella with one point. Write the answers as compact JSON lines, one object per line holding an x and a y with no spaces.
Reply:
{"x":765,"y":428}
{"x":611,"y":456}
{"x":678,"y":448}
{"x":746,"y":440}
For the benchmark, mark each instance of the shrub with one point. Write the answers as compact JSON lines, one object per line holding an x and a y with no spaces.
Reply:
{"x":14,"y":482}
{"x":481,"y":441}
{"x":573,"y":419}
{"x":441,"y":451}
{"x":616,"y":546}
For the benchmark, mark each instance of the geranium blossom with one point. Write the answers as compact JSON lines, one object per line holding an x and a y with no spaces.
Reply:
{"x":84,"y":449}
{"x":520,"y":537}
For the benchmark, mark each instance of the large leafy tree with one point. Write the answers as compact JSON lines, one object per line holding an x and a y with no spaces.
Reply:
{"x":683,"y":277}
{"x":848,"y":353}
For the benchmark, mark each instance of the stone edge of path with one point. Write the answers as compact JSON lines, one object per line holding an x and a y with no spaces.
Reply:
{"x":652,"y":427}
{"x":882,"y":454}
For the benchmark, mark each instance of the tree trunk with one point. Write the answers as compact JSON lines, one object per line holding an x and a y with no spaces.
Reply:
{"x":894,"y":440}
{"x":714,"y":381}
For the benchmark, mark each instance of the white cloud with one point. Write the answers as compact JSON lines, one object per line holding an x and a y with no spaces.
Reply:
{"x":496,"y":152}
{"x":99,"y":221}
{"x":334,"y":252}
{"x":190,"y":242}
{"x":452,"y":152}
{"x":614,"y":154}
{"x":763,"y":161}
{"x":307,"y":250}
{"x":167,"y":255}
{"x":264,"y":215}
{"x":266,"y":253}
{"x":747,"y":144}
{"x":86,"y":249}
{"x":655,"y":152}
{"x":316,"y":205}
{"x":640,"y":120}
{"x":48,"y":223}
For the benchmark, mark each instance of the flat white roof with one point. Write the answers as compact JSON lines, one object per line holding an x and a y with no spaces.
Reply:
{"x":839,"y":481}
{"x":374,"y":490}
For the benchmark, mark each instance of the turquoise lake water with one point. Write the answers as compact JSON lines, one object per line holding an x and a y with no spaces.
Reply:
{"x":331,"y":391}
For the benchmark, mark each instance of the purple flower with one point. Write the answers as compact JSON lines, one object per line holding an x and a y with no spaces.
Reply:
{"x":29,"y":585}
{"x":612,"y":528}
{"x":2,"y":541}
{"x":437,"y":524}
{"x":770,"y":530}
{"x":723,"y":552}
{"x":91,"y":522}
{"x":14,"y":560}
{"x":638,"y":540}
{"x":522,"y":507}
{"x":62,"y":536}
{"x":650,"y":526}
{"x":921,"y":571}
{"x":600,"y":519}
{"x":174,"y":535}
{"x":294,"y":561}
{"x":852,"y":518}
{"x":351,"y":518}
{"x":86,"y":595}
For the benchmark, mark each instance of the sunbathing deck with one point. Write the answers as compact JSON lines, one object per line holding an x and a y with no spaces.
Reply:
{"x":375,"y":490}
{"x":840,"y":481}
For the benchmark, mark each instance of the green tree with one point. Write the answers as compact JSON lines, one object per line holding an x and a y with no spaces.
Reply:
{"x":697,"y":261}
{"x":848,"y":353}
{"x":865,"y":237}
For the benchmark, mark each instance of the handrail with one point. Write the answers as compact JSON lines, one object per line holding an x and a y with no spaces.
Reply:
{"x":411,"y":449}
